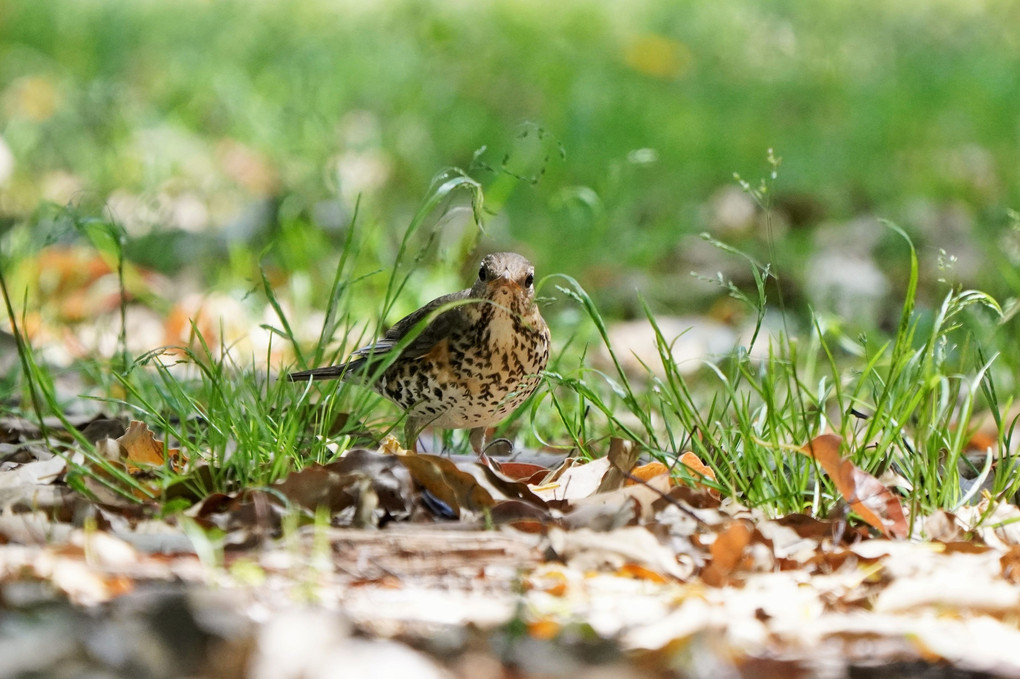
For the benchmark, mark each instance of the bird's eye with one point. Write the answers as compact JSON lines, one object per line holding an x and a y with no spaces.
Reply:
{"x":481,"y":274}
{"x":529,"y":280}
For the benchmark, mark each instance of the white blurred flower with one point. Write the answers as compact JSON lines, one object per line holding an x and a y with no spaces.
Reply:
{"x":61,"y":187}
{"x":135,"y":214}
{"x":187,"y":211}
{"x":360,"y":130}
{"x":361,"y":172}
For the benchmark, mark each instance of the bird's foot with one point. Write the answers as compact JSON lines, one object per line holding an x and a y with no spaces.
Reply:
{"x":500,"y":446}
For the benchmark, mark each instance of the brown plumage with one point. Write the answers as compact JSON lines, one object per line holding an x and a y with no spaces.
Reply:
{"x":472,"y":365}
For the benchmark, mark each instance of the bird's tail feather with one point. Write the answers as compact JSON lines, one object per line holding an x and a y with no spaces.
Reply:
{"x":331,"y":372}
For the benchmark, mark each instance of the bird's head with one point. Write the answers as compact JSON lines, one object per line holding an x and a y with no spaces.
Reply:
{"x":507,"y":279}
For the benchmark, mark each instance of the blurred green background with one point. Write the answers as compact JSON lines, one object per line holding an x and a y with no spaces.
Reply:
{"x":606,"y":134}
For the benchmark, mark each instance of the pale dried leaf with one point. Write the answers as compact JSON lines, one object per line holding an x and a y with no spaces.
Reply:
{"x":34,"y":473}
{"x":575,"y":482}
{"x":586,"y":549}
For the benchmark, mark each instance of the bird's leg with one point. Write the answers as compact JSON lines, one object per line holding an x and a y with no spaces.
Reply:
{"x":412,"y":429}
{"x":477,"y":438}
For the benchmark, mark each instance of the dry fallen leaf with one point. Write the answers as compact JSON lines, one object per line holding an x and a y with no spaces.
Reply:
{"x":575,"y":481}
{"x":1010,"y":562}
{"x":628,"y":504}
{"x":727,"y":552}
{"x":865,"y":494}
{"x":942,"y":526}
{"x":522,"y":471}
{"x":315,"y":486}
{"x":38,"y":472}
{"x":622,"y":456}
{"x":585,"y":550}
{"x":457,"y":489}
{"x":646,"y":472}
{"x":696,"y":469}
{"x":700,"y":469}
{"x":639,"y":572}
{"x":141,"y":446}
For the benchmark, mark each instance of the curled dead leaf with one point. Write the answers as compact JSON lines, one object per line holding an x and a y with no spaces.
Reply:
{"x":574,"y":480}
{"x":865,"y":494}
{"x":141,"y":448}
{"x":523,"y":516}
{"x":622,"y":456}
{"x":457,"y":489}
{"x":521,"y":471}
{"x":646,"y":471}
{"x":695,"y":469}
{"x":701,"y":471}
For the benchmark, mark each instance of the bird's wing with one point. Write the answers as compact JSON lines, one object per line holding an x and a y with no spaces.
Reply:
{"x":361,"y":362}
{"x":440,"y":327}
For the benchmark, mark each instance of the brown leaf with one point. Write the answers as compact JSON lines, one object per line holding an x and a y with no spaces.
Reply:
{"x":1010,"y":562}
{"x":247,"y":517}
{"x":865,"y":494}
{"x":628,"y":505}
{"x":103,"y":428}
{"x":818,"y":531}
{"x":391,"y":481}
{"x":727,"y":552}
{"x":700,"y":469}
{"x":622,"y":510}
{"x":141,"y":446}
{"x":215,"y":502}
{"x":521,"y":471}
{"x":315,"y":486}
{"x":587,"y":550}
{"x":695,"y":498}
{"x":499,"y":485}
{"x":622,"y":456}
{"x":646,"y":472}
{"x":361,"y":479}
{"x":942,"y":526}
{"x":457,"y":489}
{"x":523,"y":516}
{"x":696,"y":470}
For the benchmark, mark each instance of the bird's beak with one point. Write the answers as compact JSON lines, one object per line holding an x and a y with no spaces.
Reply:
{"x":503,"y":280}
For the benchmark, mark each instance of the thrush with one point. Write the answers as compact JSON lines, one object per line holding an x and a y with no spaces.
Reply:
{"x":471,"y":366}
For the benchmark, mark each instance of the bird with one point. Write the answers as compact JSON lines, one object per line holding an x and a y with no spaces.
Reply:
{"x":471,"y":366}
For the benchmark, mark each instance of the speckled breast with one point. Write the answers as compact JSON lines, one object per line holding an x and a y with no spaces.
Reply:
{"x":474,"y":379}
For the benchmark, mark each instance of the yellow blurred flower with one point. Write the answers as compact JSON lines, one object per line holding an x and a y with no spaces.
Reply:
{"x":34,"y":97}
{"x":657,"y":56}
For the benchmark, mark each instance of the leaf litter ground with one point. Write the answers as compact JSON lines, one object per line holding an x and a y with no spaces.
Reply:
{"x":384,"y":562}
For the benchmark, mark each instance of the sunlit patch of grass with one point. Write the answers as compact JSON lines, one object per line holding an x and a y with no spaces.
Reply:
{"x":229,"y":413}
{"x":905,"y":403}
